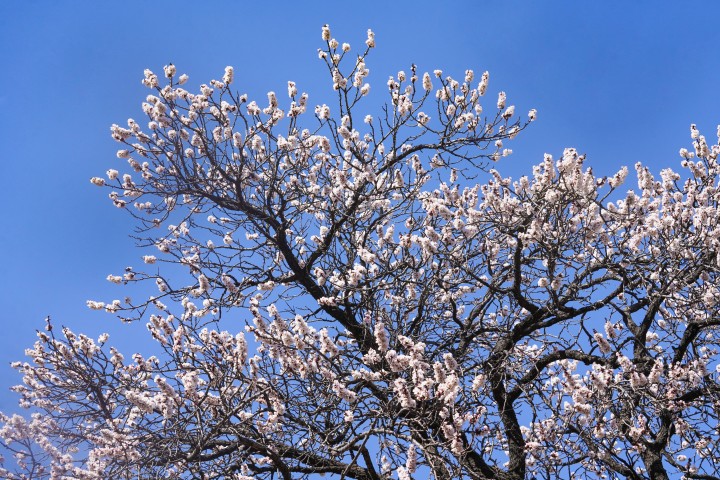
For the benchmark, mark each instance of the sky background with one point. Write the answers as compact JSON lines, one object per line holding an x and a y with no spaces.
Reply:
{"x":619,"y":81}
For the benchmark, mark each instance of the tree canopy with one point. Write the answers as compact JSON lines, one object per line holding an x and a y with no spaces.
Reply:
{"x":358,"y":293}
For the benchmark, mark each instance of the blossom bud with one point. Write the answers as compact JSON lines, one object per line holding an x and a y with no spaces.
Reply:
{"x":482,"y":86}
{"x":229,"y":75}
{"x":370,"y":42}
{"x":509,"y":112}
{"x":501,"y":100}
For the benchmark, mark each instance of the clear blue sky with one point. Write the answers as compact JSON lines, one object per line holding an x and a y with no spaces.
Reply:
{"x":620,"y":81}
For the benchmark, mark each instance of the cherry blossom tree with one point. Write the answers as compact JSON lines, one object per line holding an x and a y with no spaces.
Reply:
{"x":333,"y":292}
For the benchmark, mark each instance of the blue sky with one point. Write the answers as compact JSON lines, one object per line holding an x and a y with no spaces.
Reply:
{"x":619,"y":81}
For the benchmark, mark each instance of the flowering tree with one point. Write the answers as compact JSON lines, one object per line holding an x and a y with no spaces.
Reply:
{"x":345,"y":300}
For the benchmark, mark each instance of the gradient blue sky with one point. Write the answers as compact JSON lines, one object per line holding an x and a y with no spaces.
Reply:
{"x":620,"y":81}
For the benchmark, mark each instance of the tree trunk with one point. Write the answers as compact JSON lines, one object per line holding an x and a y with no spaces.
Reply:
{"x":654,"y":465}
